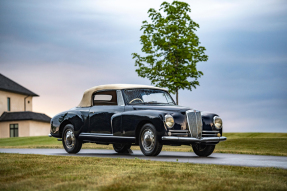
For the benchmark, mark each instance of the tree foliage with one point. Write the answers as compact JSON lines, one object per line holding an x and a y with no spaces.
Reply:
{"x":171,"y":48}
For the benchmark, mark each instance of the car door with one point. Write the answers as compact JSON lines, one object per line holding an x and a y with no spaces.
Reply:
{"x":105,"y":106}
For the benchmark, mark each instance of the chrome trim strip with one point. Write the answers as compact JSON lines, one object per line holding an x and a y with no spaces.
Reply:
{"x":192,"y":139}
{"x":120,"y":98}
{"x":104,"y":135}
{"x":95,"y":134}
{"x":178,"y":131}
{"x":112,"y":125}
{"x":210,"y":131}
{"x":123,"y":137}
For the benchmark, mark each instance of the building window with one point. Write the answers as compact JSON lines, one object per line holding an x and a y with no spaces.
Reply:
{"x":8,"y":104}
{"x":13,"y":130}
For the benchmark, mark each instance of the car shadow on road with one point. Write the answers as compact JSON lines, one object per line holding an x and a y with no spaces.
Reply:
{"x":135,"y":155}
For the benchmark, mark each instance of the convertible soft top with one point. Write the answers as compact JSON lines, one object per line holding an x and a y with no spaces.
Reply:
{"x":87,"y":97}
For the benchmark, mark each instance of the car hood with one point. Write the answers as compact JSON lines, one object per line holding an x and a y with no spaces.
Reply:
{"x":174,"y":108}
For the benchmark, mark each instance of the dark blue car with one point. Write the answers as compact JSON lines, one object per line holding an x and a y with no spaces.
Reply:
{"x":125,"y":115}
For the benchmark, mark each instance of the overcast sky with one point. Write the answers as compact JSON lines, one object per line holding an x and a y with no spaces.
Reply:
{"x":58,"y":49}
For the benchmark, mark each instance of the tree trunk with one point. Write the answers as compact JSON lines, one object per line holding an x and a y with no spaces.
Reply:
{"x":177,"y":97}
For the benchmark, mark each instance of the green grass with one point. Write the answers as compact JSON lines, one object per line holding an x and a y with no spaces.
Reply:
{"x":238,"y":143}
{"x":38,"y":172}
{"x":255,"y":135}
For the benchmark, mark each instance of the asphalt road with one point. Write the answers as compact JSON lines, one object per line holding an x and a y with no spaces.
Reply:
{"x":187,"y":157}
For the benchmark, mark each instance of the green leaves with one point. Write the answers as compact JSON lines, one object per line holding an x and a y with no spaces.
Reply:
{"x":171,"y":48}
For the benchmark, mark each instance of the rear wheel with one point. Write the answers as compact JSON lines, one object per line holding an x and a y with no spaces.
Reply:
{"x":149,"y":144}
{"x":203,"y":150}
{"x":122,"y":147}
{"x":70,"y":142}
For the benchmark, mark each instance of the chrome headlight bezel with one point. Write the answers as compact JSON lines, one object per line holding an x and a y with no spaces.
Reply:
{"x":168,"y":121}
{"x":217,"y":121}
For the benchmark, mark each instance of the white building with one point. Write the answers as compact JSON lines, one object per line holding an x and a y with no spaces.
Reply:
{"x":17,"y":118}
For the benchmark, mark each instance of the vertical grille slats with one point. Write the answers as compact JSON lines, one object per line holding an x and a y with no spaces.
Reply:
{"x":194,"y":123}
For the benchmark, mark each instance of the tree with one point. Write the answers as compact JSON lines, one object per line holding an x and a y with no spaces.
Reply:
{"x":171,"y":48}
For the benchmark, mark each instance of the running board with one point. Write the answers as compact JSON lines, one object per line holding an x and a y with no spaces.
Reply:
{"x":105,"y":137}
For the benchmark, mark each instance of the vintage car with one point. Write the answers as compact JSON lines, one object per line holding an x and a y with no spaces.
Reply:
{"x":125,"y":115}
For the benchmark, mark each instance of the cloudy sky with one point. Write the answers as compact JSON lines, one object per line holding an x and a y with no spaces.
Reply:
{"x":58,"y":49}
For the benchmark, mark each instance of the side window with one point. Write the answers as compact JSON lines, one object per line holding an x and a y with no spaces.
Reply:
{"x":105,"y":98}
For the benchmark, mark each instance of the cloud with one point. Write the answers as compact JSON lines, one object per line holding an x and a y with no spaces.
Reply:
{"x":60,"y":48}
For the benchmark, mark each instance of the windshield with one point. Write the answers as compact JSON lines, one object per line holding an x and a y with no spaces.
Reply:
{"x":147,"y":96}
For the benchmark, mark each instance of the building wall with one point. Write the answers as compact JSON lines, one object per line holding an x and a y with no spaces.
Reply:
{"x":16,"y":102}
{"x":38,"y":128}
{"x":4,"y":130}
{"x":25,"y":128}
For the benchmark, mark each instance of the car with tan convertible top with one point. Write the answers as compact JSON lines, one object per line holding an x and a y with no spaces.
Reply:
{"x":125,"y":114}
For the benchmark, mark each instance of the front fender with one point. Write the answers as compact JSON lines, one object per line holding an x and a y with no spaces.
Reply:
{"x":60,"y":120}
{"x":133,"y":120}
{"x":207,"y":122}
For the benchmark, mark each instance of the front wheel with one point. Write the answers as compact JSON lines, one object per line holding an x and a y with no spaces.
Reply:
{"x":122,"y":147}
{"x":70,"y":142}
{"x":203,"y":150}
{"x":149,"y":144}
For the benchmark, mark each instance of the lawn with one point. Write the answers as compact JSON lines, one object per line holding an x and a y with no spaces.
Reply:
{"x":38,"y":172}
{"x":240,"y":143}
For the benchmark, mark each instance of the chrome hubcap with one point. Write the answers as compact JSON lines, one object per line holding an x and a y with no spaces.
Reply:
{"x":69,"y":139}
{"x":147,"y":140}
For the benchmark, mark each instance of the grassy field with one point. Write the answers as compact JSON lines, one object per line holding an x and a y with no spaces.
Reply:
{"x":37,"y":172}
{"x":240,"y":143}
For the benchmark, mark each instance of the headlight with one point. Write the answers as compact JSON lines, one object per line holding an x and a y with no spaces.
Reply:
{"x":217,"y":121}
{"x":169,"y":121}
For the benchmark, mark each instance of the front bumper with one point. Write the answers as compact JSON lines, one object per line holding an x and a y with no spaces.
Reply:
{"x":193,"y":140}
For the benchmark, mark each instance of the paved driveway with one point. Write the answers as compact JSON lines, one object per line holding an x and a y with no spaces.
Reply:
{"x":189,"y":157}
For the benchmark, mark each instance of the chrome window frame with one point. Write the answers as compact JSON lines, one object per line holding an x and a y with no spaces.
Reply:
{"x":120,"y":98}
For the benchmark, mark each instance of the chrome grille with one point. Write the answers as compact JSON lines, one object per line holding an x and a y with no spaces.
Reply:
{"x":210,"y":133}
{"x":194,"y":123}
{"x":179,"y":133}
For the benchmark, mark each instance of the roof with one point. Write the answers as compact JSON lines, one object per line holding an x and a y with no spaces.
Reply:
{"x":24,"y":115}
{"x":86,"y":100}
{"x":9,"y":85}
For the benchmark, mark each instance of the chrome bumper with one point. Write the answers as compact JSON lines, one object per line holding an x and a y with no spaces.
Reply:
{"x":193,"y":140}
{"x":50,"y":135}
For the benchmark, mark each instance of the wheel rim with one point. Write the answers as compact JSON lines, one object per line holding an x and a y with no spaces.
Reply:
{"x":69,"y":139}
{"x":147,"y":140}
